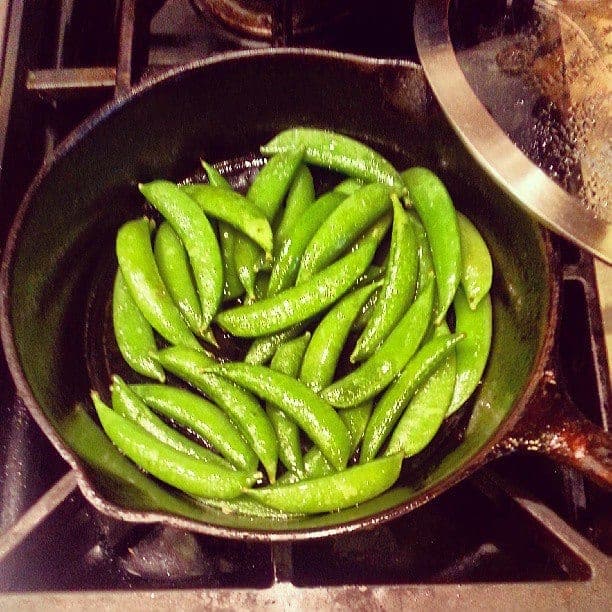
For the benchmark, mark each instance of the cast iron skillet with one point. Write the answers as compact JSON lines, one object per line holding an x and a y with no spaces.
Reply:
{"x":59,"y":256}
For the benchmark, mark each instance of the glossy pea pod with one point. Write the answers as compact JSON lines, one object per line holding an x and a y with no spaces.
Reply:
{"x":202,"y":417}
{"x":477,"y":267}
{"x":348,"y":186}
{"x":262,"y":349}
{"x":398,"y":288}
{"x":242,"y":408}
{"x":337,"y":152}
{"x":299,"y":303}
{"x":173,"y":264}
{"x":230,"y":207}
{"x":126,"y":403}
{"x":288,"y":359}
{"x":287,"y":262}
{"x":245,"y":506}
{"x":426,"y":410}
{"x":437,"y":213}
{"x":473,"y":353}
{"x":300,"y":196}
{"x":139,"y":270}
{"x":390,"y":406}
{"x":374,"y":374}
{"x":193,"y":228}
{"x":167,"y":464}
{"x":426,"y":267}
{"x":330,"y":335}
{"x":333,"y":492}
{"x":133,"y":333}
{"x":232,"y":287}
{"x":267,"y":192}
{"x":314,"y":416}
{"x":343,"y":227}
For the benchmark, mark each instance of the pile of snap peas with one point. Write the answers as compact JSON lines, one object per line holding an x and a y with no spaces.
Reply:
{"x":344,"y":297}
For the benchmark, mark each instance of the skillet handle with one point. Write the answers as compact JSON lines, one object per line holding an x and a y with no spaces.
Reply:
{"x":553,"y":426}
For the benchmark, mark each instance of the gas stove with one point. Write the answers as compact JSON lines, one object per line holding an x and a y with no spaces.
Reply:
{"x":523,"y":530}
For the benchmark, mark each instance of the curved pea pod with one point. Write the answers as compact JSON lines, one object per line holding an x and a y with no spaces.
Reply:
{"x":133,"y":333}
{"x":200,"y":416}
{"x":336,"y":491}
{"x":328,"y":339}
{"x":232,"y":208}
{"x":473,"y":352}
{"x":426,"y":410}
{"x":315,"y":463}
{"x":126,"y":403}
{"x":391,"y":405}
{"x":435,"y":207}
{"x":167,"y":464}
{"x":193,"y":228}
{"x":316,"y":417}
{"x":426,"y":267}
{"x":337,"y":152}
{"x":300,"y":196}
{"x":343,"y":227}
{"x":300,"y":303}
{"x":245,"y":506}
{"x":174,"y":268}
{"x":267,"y":192}
{"x":242,"y":408}
{"x":398,"y":288}
{"x":374,"y":374}
{"x":232,"y":287}
{"x":142,"y":278}
{"x":287,"y":262}
{"x":477,"y":267}
{"x":288,"y":359}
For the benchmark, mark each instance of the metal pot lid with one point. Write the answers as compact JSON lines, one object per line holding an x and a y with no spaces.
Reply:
{"x":526,"y":86}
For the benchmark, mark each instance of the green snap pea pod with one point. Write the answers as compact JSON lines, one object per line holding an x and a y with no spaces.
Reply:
{"x":232,"y":287}
{"x":477,"y":267}
{"x":426,"y":268}
{"x":391,"y":405}
{"x":427,"y":408}
{"x":371,"y":275}
{"x":337,"y":152}
{"x":473,"y":353}
{"x":349,"y":186}
{"x":300,"y":303}
{"x":329,"y":337}
{"x":167,"y":464}
{"x":366,"y":312}
{"x":300,"y":196}
{"x":267,"y":192}
{"x":142,"y":278}
{"x":174,"y":268}
{"x":315,"y":417}
{"x":398,"y":288}
{"x":287,"y":262}
{"x":128,"y":404}
{"x":374,"y":374}
{"x":263,"y":349}
{"x":315,"y":463}
{"x":133,"y":333}
{"x":232,"y":208}
{"x":437,"y":213}
{"x":193,"y":228}
{"x":240,"y":405}
{"x":245,"y":506}
{"x":288,"y":359}
{"x":343,"y":226}
{"x":336,"y":491}
{"x":202,"y":417}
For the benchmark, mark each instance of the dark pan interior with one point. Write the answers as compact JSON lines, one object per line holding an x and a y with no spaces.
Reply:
{"x":61,"y":254}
